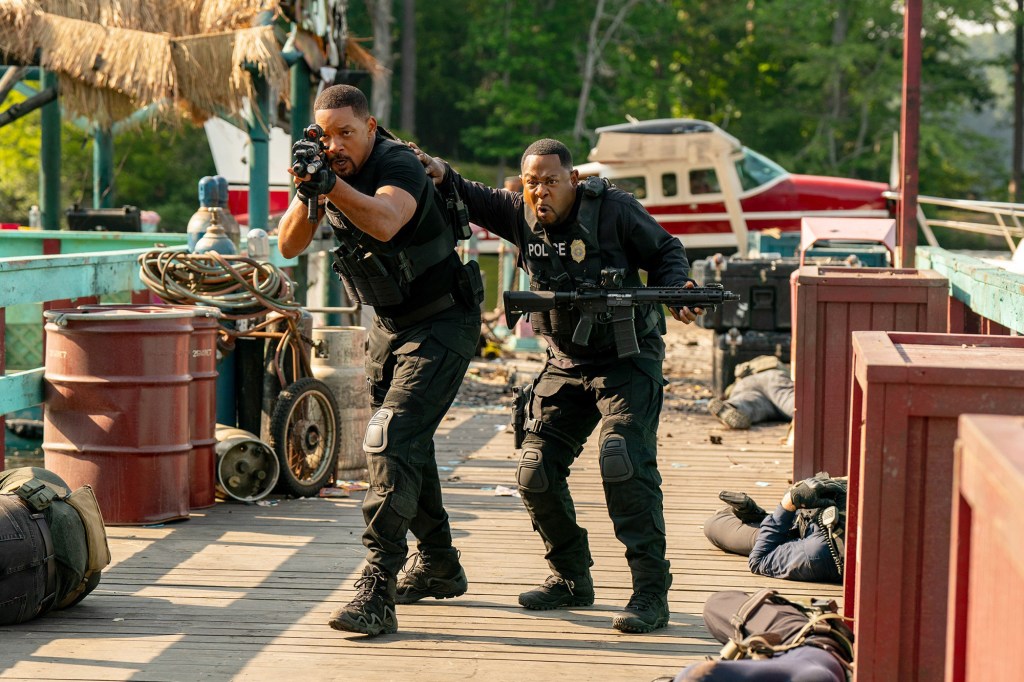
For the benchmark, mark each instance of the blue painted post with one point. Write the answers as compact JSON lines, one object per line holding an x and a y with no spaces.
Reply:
{"x":259,"y":155}
{"x":49,"y":158}
{"x":300,"y":118}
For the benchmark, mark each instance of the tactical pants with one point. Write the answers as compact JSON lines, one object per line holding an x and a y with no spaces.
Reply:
{"x":803,"y":664}
{"x":626,"y":397}
{"x":729,"y":533}
{"x":765,"y":396}
{"x":413,"y":376}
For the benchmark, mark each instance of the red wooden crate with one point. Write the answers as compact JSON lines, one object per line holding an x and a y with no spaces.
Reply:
{"x":908,"y":391}
{"x":832,"y":302}
{"x":985,"y":627}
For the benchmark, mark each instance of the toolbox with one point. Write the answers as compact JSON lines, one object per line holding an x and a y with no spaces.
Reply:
{"x":733,"y":347}
{"x":763,"y":287}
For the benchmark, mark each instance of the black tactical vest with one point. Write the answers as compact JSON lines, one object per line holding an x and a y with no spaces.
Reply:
{"x":573,"y":259}
{"x":378,"y":277}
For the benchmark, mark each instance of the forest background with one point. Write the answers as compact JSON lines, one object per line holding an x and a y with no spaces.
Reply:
{"x":812,"y":84}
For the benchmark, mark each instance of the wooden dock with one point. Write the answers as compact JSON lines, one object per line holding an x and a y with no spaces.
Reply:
{"x":243,"y":591}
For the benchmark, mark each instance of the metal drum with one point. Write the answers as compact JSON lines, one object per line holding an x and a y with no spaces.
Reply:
{"x":247,"y":469}
{"x":338,"y":358}
{"x":202,"y":396}
{"x":117,"y":397}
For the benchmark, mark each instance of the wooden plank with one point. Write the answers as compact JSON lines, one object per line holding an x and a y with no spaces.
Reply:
{"x":244,"y":591}
{"x":20,"y":390}
{"x":45,"y":278}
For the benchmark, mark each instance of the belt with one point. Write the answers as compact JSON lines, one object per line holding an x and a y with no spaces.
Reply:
{"x":51,"y":564}
{"x":396,"y":324}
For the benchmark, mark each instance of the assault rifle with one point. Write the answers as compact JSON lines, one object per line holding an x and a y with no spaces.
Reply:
{"x":308,"y":158}
{"x":610,"y":304}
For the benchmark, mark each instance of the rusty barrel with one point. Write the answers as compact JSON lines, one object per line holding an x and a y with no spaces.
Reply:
{"x":338,"y":357}
{"x":117,"y":398}
{"x":202,"y":397}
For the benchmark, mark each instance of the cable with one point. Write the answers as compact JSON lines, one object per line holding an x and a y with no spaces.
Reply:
{"x":241,"y":288}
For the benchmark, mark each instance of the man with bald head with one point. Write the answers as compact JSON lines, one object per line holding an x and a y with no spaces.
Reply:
{"x":397,"y":255}
{"x":567,"y":232}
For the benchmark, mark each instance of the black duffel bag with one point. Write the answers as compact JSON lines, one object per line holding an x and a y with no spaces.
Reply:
{"x":52,"y":544}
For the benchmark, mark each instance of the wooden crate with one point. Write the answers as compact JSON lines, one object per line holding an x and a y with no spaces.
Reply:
{"x":908,"y":392}
{"x":831,"y":303}
{"x":985,"y":626}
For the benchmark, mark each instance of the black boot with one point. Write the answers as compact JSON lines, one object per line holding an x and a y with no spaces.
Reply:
{"x":745,"y":509}
{"x":728,"y":415}
{"x":557,"y":592}
{"x":438,"y":575}
{"x":645,"y":611}
{"x":372,"y":612}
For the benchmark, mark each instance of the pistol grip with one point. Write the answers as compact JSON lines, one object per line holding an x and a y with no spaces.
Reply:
{"x":581,"y":335}
{"x":313,"y":209}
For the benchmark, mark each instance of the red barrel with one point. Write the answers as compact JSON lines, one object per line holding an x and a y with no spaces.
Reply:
{"x":117,"y":400}
{"x":202,"y":396}
{"x":203,"y":407}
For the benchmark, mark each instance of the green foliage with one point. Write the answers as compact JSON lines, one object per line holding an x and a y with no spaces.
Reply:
{"x":156,"y":168}
{"x":813,"y":84}
{"x":159,"y":170}
{"x":19,"y":163}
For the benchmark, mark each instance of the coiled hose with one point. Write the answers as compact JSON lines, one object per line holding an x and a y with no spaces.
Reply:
{"x":241,"y":288}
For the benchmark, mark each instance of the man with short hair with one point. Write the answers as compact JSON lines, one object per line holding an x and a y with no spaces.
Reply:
{"x":396,"y":254}
{"x":567,"y":232}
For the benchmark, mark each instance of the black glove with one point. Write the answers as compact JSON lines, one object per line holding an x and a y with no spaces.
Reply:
{"x":321,"y":183}
{"x":818,"y":491}
{"x":745,"y":509}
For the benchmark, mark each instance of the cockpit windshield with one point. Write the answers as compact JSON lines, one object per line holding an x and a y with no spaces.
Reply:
{"x":755,"y":170}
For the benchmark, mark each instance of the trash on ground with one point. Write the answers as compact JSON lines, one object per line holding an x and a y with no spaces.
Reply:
{"x":353,"y":486}
{"x":503,"y":491}
{"x":334,"y":492}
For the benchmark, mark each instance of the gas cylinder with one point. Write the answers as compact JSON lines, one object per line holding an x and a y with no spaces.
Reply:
{"x":200,"y":220}
{"x":227,"y":220}
{"x":215,"y":238}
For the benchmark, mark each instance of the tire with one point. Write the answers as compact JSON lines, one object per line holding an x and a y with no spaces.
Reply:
{"x":305,"y":436}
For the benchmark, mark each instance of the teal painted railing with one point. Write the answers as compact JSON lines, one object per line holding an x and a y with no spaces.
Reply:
{"x":21,"y":243}
{"x":29,"y":279}
{"x":990,"y":291}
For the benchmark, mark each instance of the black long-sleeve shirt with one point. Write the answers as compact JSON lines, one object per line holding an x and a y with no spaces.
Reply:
{"x":643,"y":244}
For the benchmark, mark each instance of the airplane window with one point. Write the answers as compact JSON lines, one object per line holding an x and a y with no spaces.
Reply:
{"x":755,"y":170}
{"x":669,"y":185}
{"x":704,"y":181}
{"x":637,"y":186}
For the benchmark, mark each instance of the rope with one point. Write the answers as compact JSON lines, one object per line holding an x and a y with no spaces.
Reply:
{"x":241,"y":288}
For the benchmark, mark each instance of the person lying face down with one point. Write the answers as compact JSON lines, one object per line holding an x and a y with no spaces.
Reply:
{"x":803,"y":539}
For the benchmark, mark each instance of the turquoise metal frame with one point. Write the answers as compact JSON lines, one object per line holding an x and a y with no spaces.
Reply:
{"x":28,"y":277}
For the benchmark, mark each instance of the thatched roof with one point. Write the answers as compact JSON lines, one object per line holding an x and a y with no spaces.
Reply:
{"x":114,"y":57}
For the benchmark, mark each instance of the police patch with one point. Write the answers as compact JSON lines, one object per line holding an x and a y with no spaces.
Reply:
{"x":578,"y":250}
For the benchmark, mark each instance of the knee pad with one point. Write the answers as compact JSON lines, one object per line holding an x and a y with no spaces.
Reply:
{"x":616,"y":466}
{"x":531,"y":475}
{"x":375,"y":439}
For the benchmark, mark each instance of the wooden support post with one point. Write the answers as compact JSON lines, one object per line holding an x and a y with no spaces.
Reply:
{"x":909,"y":131}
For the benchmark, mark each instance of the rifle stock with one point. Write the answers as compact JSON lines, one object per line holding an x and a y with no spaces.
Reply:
{"x":612,"y":306}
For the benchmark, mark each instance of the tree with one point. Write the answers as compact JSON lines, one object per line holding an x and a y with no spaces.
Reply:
{"x":156,"y":168}
{"x":381,"y":98}
{"x":407,"y":98}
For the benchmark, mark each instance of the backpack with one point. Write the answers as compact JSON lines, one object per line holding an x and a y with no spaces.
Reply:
{"x":53,"y":544}
{"x":832,"y":522}
{"x":766,"y":624}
